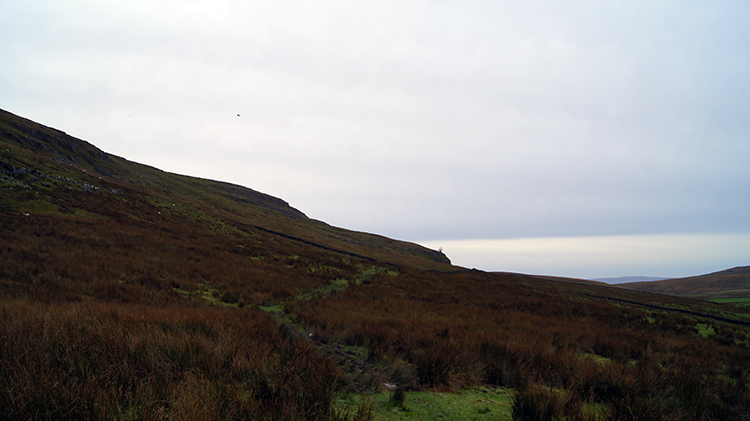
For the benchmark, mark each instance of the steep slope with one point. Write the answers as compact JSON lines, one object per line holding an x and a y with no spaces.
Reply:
{"x":727,"y":286}
{"x":41,"y":161}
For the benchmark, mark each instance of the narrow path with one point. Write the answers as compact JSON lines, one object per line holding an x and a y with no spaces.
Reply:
{"x":352,"y":361}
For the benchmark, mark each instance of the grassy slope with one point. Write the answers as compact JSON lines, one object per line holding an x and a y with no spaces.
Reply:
{"x":93,"y":246}
{"x":51,"y":157}
{"x":728,"y":286}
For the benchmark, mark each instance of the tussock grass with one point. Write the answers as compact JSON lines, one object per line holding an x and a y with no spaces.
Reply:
{"x":96,"y":361}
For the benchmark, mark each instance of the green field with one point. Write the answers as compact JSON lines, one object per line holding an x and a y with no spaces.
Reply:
{"x":479,"y":403}
{"x":736,"y":301}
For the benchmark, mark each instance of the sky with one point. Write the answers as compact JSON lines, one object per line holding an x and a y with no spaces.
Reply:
{"x":584,"y":139}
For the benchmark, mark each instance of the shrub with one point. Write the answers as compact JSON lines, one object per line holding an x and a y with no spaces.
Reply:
{"x":537,"y":403}
{"x":436,"y":367}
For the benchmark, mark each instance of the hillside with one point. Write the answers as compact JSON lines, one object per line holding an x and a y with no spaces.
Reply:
{"x":626,"y":279}
{"x":131,"y":293}
{"x":731,"y":286}
{"x":43,"y":161}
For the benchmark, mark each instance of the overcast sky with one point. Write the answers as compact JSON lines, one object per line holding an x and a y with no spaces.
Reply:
{"x":428,"y":121}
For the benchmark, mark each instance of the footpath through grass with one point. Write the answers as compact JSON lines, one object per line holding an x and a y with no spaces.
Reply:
{"x":471,"y":404}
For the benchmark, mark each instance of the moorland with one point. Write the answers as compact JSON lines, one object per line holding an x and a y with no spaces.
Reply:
{"x":131,"y":293}
{"x":730,"y":286}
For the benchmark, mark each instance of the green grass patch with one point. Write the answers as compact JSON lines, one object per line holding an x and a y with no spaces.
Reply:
{"x":705,"y":330}
{"x":277,"y":311}
{"x":337,"y":285}
{"x":736,"y":301}
{"x":278,"y":308}
{"x":597,"y":358}
{"x":207,"y":292}
{"x":594,"y":411}
{"x":211,"y":294}
{"x":471,"y":404}
{"x":360,"y":352}
{"x":322,"y":268}
{"x":367,"y":273}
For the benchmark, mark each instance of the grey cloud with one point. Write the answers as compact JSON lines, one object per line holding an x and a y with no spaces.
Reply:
{"x":412,"y":119}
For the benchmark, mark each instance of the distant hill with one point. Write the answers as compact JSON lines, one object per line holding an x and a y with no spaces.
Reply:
{"x":624,"y":279}
{"x":731,"y":286}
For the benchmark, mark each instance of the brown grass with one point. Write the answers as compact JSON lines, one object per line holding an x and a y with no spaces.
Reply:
{"x":134,"y":295}
{"x":95,"y":361}
{"x":562,"y":354}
